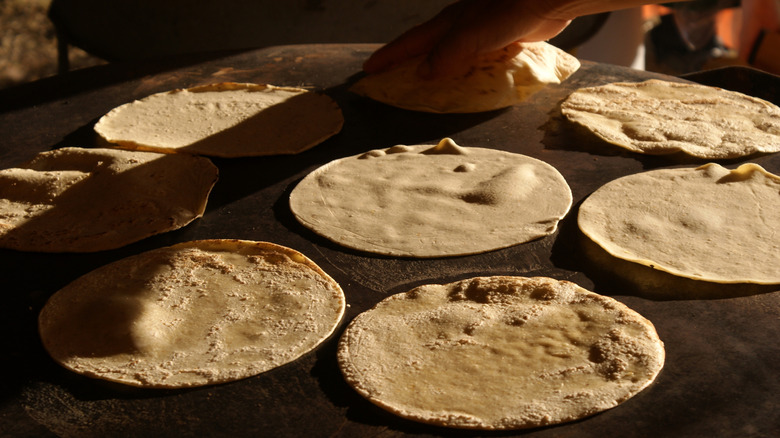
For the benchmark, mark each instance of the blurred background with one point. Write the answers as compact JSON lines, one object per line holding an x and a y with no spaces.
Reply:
{"x":672,"y":38}
{"x":28,"y":43}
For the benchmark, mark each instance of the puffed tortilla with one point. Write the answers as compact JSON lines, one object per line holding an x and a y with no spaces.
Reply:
{"x":499,"y":353}
{"x":193,"y":314}
{"x":707,"y":223}
{"x":86,"y":200}
{"x":494,"y":81}
{"x":432,"y":200}
{"x":224,"y":120}
{"x":660,"y":117}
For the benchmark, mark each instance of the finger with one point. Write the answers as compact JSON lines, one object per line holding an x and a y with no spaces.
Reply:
{"x":481,"y":28}
{"x":483,"y":31}
{"x":414,"y":42}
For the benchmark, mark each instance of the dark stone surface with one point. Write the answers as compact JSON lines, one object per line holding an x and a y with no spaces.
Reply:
{"x":720,"y":377}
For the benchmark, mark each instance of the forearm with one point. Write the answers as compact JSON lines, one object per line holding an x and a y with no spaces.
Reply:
{"x":570,"y":9}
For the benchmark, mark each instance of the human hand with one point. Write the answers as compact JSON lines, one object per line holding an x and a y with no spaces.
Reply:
{"x":467,"y":29}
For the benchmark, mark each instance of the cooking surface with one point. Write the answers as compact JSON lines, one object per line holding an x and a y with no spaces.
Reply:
{"x":720,"y":376}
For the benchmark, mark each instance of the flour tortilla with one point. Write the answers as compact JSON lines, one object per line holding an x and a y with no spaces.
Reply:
{"x":85,"y":200}
{"x":224,"y":120}
{"x":707,"y":223}
{"x":193,"y":314}
{"x":659,"y":117}
{"x":496,"y":80}
{"x":499,"y":353}
{"x":432,"y":201}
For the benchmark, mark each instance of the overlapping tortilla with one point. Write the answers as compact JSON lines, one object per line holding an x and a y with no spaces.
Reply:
{"x":193,"y":314}
{"x":660,"y":117}
{"x":496,"y":80}
{"x":85,"y":200}
{"x":432,"y":200}
{"x":499,"y":353}
{"x":707,"y":223}
{"x":224,"y":120}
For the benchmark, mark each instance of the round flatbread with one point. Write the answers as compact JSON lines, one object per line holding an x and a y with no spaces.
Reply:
{"x":224,"y":120}
{"x":707,"y":223}
{"x":496,"y":80}
{"x":659,"y":117}
{"x":432,"y":201}
{"x":85,"y":200}
{"x":499,"y":353}
{"x":193,"y":314}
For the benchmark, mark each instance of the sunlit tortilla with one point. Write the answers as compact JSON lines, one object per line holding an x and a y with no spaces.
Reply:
{"x":193,"y":314}
{"x":707,"y":223}
{"x":224,"y":120}
{"x":660,"y":117}
{"x":499,"y":353}
{"x":86,"y":200}
{"x":496,"y":80}
{"x":432,"y":200}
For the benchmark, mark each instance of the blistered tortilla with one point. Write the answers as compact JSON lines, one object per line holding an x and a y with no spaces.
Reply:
{"x":86,"y":200}
{"x":707,"y":223}
{"x":494,"y":81}
{"x":193,"y":314}
{"x":660,"y":117}
{"x":432,"y":200}
{"x":499,"y":353}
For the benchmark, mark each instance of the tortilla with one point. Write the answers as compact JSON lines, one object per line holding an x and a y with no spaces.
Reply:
{"x":85,"y":200}
{"x":224,"y":120}
{"x":499,"y":353}
{"x":193,"y":314}
{"x":659,"y":117}
{"x":496,"y":80}
{"x":432,"y":201}
{"x":707,"y":223}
